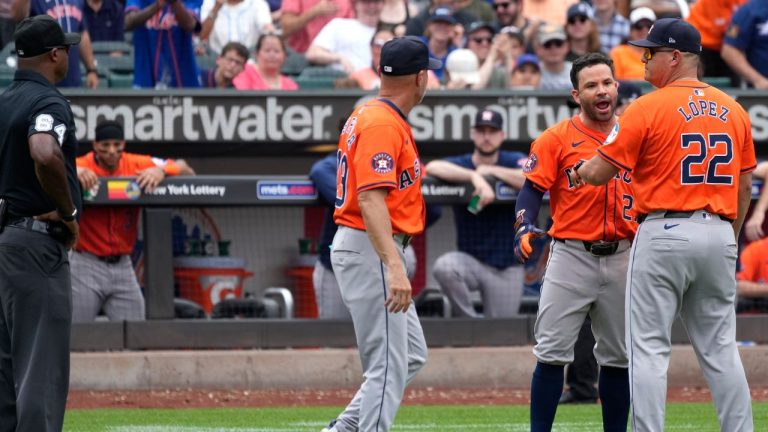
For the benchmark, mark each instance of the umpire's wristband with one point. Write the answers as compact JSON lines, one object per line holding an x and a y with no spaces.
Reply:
{"x":66,"y":217}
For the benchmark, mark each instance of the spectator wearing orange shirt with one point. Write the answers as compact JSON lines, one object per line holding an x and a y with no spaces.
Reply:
{"x":102,"y":272}
{"x":627,"y":59}
{"x":752,"y":278}
{"x":712,"y":19}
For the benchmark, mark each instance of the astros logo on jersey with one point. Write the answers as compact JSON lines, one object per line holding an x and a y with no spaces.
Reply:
{"x":382,"y":163}
{"x":530,"y":164}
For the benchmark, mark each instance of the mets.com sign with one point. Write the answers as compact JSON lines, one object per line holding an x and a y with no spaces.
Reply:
{"x":206,"y":117}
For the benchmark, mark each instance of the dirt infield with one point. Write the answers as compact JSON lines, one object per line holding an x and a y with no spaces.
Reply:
{"x":84,"y":399}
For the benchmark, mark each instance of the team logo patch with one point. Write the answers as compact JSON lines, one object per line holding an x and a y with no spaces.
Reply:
{"x":698,"y":92}
{"x":382,"y":163}
{"x":531,"y":163}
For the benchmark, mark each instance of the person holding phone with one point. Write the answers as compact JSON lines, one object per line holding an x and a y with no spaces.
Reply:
{"x":484,"y":260}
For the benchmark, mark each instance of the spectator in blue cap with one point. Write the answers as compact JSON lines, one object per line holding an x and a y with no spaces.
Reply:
{"x":439,"y":36}
{"x":416,"y":26}
{"x":527,"y":73}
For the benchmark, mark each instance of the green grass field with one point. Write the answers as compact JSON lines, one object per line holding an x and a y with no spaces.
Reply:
{"x":680,"y":417}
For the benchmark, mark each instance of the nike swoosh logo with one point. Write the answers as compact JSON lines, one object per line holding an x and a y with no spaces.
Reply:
{"x":670,"y":226}
{"x":577,"y":143}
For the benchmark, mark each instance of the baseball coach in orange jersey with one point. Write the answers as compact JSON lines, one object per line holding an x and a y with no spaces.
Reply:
{"x":379,"y":207}
{"x":689,"y":148}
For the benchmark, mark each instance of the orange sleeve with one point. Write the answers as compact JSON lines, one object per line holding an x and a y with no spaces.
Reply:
{"x":543,"y":161}
{"x":748,"y":160}
{"x":748,"y":269}
{"x":375,"y":158}
{"x":81,"y":162}
{"x":138,"y":162}
{"x":623,"y":145}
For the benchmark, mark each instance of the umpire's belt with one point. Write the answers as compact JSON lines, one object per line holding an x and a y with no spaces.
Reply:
{"x":29,"y":224}
{"x":403,"y":239}
{"x":672,"y":214}
{"x":597,"y":248}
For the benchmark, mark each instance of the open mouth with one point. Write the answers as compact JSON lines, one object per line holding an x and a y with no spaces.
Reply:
{"x":603,"y":105}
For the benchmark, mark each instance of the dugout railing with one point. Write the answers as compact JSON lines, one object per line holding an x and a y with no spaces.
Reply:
{"x":162,"y":331}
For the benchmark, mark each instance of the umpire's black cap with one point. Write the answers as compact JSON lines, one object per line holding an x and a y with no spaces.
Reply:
{"x":406,"y":56}
{"x":672,"y":33}
{"x":39,"y":34}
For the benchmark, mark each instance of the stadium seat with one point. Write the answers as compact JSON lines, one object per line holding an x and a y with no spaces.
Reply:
{"x":719,"y":82}
{"x":120,"y":80}
{"x":294,"y":63}
{"x":321,"y":72}
{"x":107,"y":63}
{"x":207,"y":61}
{"x":106,"y":47}
{"x":317,"y":83}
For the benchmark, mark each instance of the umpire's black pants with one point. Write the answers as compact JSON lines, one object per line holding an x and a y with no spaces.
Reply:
{"x":35,"y":321}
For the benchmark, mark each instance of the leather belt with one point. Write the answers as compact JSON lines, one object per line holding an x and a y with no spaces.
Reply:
{"x":109,"y":259}
{"x":671,"y":214}
{"x":29,"y":224}
{"x":403,"y":239}
{"x":597,"y":248}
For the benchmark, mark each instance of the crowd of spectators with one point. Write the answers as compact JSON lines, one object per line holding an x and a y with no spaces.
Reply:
{"x":179,"y":43}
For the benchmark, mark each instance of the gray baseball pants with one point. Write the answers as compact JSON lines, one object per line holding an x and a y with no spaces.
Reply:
{"x":328,"y":295}
{"x":459,"y":273}
{"x":686,"y":267}
{"x":98,"y":285}
{"x":577,"y":283}
{"x":391,"y":345}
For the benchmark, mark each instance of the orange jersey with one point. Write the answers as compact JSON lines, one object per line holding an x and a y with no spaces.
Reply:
{"x":754,"y":262}
{"x":627,"y":63}
{"x":377,"y":150}
{"x":712,"y":18}
{"x":112,"y":230}
{"x":686,"y":145}
{"x":589,"y":213}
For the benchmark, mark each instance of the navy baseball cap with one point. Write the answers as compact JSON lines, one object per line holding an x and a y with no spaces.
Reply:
{"x":406,"y":56}
{"x":672,"y":33}
{"x":490,"y":118}
{"x":442,"y":14}
{"x":39,"y":34}
{"x":580,"y":9}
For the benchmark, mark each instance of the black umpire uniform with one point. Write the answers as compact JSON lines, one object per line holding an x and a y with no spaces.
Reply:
{"x":38,"y":181}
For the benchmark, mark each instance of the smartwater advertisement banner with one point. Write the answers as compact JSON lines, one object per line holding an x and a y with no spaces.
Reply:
{"x":208,"y":118}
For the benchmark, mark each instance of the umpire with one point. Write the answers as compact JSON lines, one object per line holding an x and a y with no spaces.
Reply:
{"x":38,"y":224}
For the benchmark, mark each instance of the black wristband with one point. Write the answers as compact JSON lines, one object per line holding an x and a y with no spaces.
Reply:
{"x":93,"y":70}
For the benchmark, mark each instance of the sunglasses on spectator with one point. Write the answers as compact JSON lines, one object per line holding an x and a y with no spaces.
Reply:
{"x":503,"y":5}
{"x":642,"y":25}
{"x":650,"y":52}
{"x":557,"y":43}
{"x":580,"y":18}
{"x":479,"y":40}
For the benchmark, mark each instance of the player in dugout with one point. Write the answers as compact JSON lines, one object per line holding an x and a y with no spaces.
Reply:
{"x":103,"y":278}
